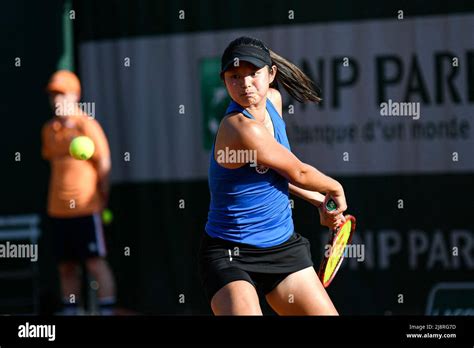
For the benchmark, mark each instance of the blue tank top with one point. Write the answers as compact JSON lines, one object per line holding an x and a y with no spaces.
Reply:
{"x":250,"y":204}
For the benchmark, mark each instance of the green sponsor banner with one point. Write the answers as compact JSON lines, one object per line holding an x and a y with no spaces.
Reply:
{"x":214,"y":99}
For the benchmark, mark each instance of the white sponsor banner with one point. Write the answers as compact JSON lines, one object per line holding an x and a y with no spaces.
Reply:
{"x":398,"y":97}
{"x":413,"y":249}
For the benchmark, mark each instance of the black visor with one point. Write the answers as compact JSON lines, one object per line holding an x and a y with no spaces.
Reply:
{"x":252,"y":54}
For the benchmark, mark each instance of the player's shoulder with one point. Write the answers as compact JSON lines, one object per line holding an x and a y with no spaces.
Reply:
{"x":88,"y":121}
{"x":274,"y":94}
{"x":48,"y":125}
{"x":275,"y":97}
{"x":239,"y":126}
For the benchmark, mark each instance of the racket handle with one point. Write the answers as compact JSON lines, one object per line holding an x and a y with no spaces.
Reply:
{"x":331,"y":205}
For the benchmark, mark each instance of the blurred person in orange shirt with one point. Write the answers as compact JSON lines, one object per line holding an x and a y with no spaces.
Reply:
{"x":78,"y":193}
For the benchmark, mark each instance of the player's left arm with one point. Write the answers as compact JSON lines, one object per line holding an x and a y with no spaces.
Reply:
{"x":317,"y":199}
{"x":313,"y":197}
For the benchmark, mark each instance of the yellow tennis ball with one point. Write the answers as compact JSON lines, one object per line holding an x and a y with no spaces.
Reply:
{"x":81,"y":148}
{"x":107,"y":216}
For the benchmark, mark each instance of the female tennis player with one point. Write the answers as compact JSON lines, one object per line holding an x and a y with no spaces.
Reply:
{"x":250,"y":244}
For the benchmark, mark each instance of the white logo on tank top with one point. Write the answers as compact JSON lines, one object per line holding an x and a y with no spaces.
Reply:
{"x":261,"y":169}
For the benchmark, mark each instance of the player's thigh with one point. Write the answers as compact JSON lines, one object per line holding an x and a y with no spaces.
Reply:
{"x":301,"y":293}
{"x":236,"y":298}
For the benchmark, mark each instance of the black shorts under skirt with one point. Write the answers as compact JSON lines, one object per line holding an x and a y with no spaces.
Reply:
{"x":222,"y":262}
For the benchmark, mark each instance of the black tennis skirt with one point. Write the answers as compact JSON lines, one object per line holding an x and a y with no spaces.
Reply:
{"x":221,"y":262}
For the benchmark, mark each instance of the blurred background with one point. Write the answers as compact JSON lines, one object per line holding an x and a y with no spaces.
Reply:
{"x":151,"y":70}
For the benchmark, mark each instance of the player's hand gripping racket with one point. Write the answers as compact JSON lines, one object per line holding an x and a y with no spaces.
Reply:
{"x":338,"y":240}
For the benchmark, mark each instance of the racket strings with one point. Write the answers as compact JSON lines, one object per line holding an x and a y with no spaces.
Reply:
{"x":337,"y":251}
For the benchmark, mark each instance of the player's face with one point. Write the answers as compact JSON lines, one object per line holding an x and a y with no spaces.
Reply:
{"x":248,"y":85}
{"x":60,"y":100}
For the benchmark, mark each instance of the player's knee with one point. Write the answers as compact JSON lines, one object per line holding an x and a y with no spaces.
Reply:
{"x":237,"y":298}
{"x":243,"y":306}
{"x":95,"y":265}
{"x":68,"y":269}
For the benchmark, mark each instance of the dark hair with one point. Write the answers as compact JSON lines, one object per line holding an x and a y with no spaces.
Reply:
{"x":295,"y":82}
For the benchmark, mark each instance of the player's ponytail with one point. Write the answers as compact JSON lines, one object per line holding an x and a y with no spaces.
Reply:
{"x":295,"y":82}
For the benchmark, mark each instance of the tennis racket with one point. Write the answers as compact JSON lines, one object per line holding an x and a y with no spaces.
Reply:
{"x":338,"y":240}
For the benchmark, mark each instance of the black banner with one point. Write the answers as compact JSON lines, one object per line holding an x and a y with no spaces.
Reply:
{"x":135,"y":330}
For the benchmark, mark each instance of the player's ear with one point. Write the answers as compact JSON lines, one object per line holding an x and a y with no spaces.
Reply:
{"x":272,"y":71}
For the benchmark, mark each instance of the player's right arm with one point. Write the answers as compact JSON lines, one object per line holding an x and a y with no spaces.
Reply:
{"x":269,"y":153}
{"x":45,"y":147}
